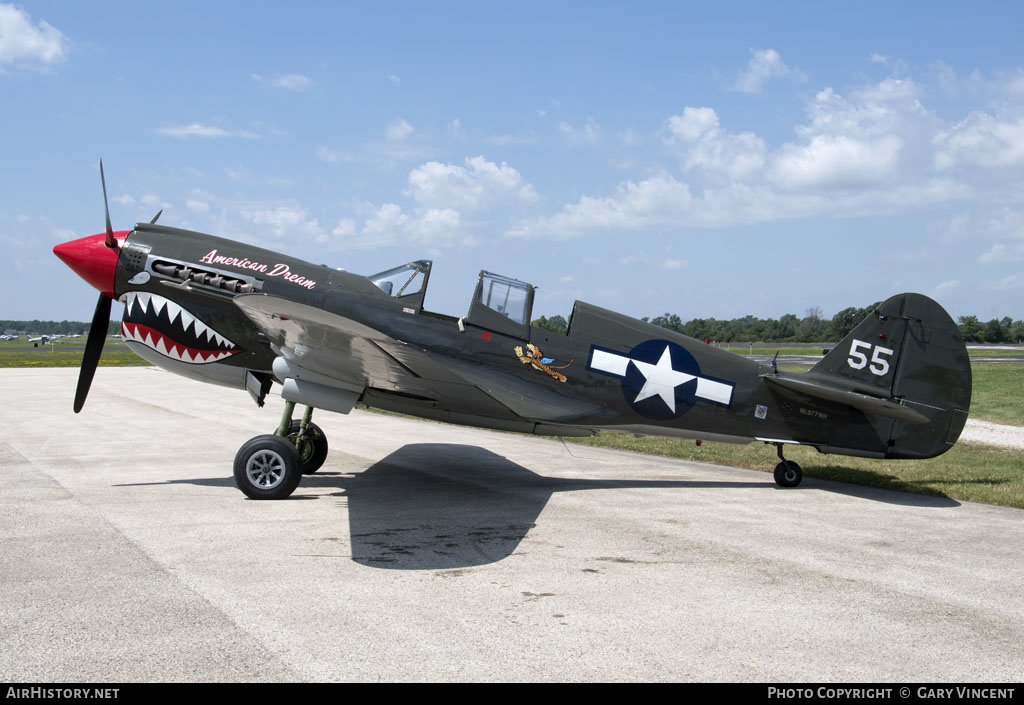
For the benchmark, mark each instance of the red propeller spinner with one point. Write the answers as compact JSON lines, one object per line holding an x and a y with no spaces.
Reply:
{"x":92,"y":260}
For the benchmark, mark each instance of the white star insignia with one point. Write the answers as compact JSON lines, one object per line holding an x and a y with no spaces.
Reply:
{"x":661,"y":380}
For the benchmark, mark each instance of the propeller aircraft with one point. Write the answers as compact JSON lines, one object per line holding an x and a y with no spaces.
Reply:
{"x":219,"y":311}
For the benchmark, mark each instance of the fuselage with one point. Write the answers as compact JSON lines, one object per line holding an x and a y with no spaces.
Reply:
{"x":609,"y":371}
{"x":592,"y":379}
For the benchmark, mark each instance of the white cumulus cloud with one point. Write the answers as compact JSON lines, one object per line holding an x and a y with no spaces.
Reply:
{"x":476,"y":184}
{"x":1004,"y":228}
{"x":288,"y":220}
{"x":345,"y":228}
{"x":981,"y":140}
{"x":197,"y":129}
{"x":24,"y":43}
{"x":655,"y":202}
{"x":875,"y":149}
{"x":837,"y":161}
{"x":877,"y":137}
{"x":398,"y":129}
{"x":587,"y":133}
{"x":389,"y":225}
{"x":764,"y":65}
{"x":1012,"y":281}
{"x":442,"y":195}
{"x":711,"y":151}
{"x":386,"y":225}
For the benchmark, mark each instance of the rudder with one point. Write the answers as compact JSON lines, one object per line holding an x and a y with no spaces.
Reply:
{"x":908,"y":350}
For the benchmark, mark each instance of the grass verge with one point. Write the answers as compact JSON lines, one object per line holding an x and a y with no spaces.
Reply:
{"x":116,"y":355}
{"x":997,"y":393}
{"x":969,"y":472}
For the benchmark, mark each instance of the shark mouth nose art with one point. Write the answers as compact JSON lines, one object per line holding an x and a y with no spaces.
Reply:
{"x":165,"y":326}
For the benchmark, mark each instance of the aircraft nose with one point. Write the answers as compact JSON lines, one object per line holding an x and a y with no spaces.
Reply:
{"x":92,"y":260}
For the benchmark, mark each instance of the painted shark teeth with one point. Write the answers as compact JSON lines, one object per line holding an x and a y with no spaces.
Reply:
{"x":160,"y":324}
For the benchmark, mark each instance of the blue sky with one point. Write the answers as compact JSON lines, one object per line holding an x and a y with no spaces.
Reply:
{"x":709,"y":161}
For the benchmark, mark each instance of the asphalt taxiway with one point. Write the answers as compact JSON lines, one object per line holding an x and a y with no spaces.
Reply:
{"x":430,"y":552}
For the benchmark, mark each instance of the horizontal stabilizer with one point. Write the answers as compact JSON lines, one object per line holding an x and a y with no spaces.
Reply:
{"x":874,"y":405}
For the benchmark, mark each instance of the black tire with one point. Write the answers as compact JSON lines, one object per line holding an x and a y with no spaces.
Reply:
{"x":267,"y":467}
{"x":312,"y":448}
{"x":788,"y":474}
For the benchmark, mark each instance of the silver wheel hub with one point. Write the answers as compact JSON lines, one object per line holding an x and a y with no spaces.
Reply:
{"x":265,"y":469}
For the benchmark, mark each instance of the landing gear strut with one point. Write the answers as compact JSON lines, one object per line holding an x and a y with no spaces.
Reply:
{"x":787,"y":473}
{"x":308,"y":438}
{"x":270,"y":466}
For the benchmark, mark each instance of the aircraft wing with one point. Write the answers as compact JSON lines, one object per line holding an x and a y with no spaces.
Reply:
{"x":334,"y":351}
{"x":331,"y":350}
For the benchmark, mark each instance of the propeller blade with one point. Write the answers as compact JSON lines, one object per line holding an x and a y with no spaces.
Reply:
{"x":93,"y":349}
{"x":153,"y":222}
{"x":111,"y":242}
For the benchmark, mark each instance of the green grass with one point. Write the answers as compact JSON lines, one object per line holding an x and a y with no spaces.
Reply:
{"x":966,"y":472}
{"x":998,"y":392}
{"x":996,"y":353}
{"x":763,"y":349}
{"x":815,"y":350}
{"x":115,"y":354}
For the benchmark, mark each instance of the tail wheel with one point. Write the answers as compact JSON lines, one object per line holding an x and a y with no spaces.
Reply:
{"x":267,"y":467}
{"x":788,"y":474}
{"x":311,"y":446}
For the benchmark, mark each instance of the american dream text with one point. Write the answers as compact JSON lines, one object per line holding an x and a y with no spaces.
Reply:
{"x":277,"y":270}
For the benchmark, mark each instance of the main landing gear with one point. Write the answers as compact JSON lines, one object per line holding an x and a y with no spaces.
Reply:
{"x":787,"y":473}
{"x":271,"y":466}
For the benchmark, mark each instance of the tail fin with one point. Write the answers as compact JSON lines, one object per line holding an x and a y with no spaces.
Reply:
{"x":908,"y":351}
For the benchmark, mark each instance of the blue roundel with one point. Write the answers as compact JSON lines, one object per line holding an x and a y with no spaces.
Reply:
{"x":661,"y":380}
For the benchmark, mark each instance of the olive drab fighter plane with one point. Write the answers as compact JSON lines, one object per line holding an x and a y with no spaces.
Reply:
{"x":899,"y":386}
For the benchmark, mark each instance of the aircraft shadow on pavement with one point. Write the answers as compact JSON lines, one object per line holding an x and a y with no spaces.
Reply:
{"x":439,"y":506}
{"x":431,"y":506}
{"x":435,"y":506}
{"x":903,"y":496}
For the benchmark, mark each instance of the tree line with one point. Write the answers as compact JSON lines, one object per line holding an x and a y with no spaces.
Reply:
{"x":812,"y":328}
{"x":37,"y":327}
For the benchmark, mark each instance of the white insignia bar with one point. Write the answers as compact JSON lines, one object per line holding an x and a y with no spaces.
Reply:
{"x":661,"y":379}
